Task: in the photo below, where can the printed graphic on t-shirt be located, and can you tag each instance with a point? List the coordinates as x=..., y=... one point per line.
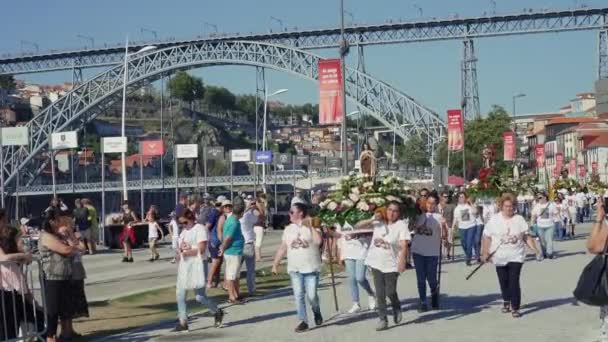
x=424, y=230
x=299, y=243
x=465, y=215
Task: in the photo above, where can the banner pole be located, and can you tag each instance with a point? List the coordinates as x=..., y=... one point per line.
x=205, y=166
x=17, y=190
x=231, y=179
x=176, y=178
x=103, y=197
x=141, y=181
x=53, y=173
x=198, y=191
x=72, y=167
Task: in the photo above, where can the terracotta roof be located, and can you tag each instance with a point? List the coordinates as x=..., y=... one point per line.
x=566, y=107
x=587, y=126
x=600, y=141
x=539, y=132
x=573, y=120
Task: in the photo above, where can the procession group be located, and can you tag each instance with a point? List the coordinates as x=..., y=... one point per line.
x=208, y=234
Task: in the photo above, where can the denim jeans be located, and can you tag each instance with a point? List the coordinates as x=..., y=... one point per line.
x=201, y=297
x=546, y=239
x=478, y=236
x=467, y=239
x=305, y=284
x=249, y=262
x=560, y=231
x=356, y=276
x=426, y=270
x=580, y=218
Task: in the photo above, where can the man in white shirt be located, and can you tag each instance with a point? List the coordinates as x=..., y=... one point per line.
x=248, y=220
x=581, y=203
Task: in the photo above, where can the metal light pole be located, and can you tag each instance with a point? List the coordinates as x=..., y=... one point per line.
x=343, y=53
x=124, y=105
x=266, y=96
x=514, y=98
x=342, y=145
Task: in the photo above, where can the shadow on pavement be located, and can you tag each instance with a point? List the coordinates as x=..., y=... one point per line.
x=546, y=304
x=262, y=318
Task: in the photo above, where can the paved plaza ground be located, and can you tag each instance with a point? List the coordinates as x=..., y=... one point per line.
x=470, y=310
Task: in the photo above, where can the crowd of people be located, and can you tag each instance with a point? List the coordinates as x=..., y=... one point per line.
x=215, y=236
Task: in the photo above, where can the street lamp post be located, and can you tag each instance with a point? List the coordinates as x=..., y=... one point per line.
x=514, y=98
x=266, y=96
x=343, y=53
x=124, y=105
x=342, y=145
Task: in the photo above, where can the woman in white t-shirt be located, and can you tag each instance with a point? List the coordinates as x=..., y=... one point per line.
x=387, y=259
x=543, y=216
x=174, y=231
x=353, y=250
x=464, y=220
x=301, y=243
x=504, y=243
x=430, y=229
x=192, y=244
x=571, y=204
x=560, y=218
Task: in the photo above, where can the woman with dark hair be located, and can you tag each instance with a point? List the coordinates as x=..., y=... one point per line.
x=464, y=220
x=127, y=236
x=505, y=238
x=56, y=253
x=15, y=296
x=301, y=244
x=192, y=244
x=387, y=259
x=77, y=302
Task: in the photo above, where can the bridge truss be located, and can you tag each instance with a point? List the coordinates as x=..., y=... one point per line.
x=71, y=112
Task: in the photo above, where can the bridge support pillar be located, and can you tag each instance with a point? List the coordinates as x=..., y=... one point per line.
x=603, y=54
x=469, y=87
x=76, y=74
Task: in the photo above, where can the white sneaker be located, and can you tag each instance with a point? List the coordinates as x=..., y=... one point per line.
x=356, y=308
x=372, y=303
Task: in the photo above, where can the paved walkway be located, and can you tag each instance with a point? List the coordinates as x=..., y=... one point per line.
x=108, y=278
x=470, y=310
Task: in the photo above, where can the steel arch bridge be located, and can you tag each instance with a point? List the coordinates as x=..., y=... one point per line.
x=71, y=112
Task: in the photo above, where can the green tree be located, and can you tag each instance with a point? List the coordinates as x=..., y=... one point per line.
x=7, y=83
x=219, y=98
x=477, y=134
x=186, y=88
x=413, y=152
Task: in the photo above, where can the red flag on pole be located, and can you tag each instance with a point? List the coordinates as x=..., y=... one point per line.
x=582, y=171
x=508, y=146
x=572, y=167
x=330, y=92
x=151, y=147
x=559, y=161
x=455, y=130
x=539, y=153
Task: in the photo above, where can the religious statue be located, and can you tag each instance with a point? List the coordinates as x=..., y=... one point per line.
x=487, y=155
x=368, y=162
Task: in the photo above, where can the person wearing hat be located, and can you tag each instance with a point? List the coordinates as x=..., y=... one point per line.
x=217, y=238
x=214, y=242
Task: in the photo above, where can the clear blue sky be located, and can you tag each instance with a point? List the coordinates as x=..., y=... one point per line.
x=549, y=68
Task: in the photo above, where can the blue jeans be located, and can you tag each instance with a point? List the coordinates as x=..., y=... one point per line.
x=426, y=270
x=356, y=276
x=201, y=297
x=478, y=236
x=560, y=231
x=467, y=239
x=546, y=239
x=305, y=284
x=250, y=267
x=580, y=218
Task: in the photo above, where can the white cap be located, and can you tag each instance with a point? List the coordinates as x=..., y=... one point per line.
x=24, y=220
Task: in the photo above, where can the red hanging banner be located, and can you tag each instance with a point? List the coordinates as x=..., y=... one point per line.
x=582, y=171
x=508, y=146
x=539, y=154
x=455, y=130
x=572, y=167
x=330, y=91
x=594, y=167
x=151, y=147
x=559, y=162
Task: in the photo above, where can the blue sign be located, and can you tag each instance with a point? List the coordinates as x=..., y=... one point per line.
x=263, y=156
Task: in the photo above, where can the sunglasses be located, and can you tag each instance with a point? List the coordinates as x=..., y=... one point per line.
x=182, y=222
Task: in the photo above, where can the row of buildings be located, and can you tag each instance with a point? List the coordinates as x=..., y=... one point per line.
x=574, y=139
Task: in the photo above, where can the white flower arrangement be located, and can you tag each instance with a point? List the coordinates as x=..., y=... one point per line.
x=332, y=205
x=354, y=197
x=362, y=205
x=355, y=191
x=347, y=203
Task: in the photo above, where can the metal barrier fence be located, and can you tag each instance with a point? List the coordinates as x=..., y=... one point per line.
x=22, y=301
